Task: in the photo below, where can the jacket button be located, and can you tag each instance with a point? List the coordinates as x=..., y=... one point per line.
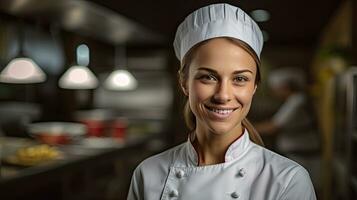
x=180, y=174
x=241, y=173
x=235, y=195
x=173, y=193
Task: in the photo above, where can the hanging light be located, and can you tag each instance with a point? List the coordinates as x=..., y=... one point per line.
x=260, y=15
x=120, y=79
x=79, y=76
x=22, y=69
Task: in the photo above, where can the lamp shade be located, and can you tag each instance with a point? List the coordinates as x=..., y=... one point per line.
x=22, y=70
x=78, y=77
x=121, y=80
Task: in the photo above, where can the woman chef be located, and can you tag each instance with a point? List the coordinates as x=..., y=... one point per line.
x=219, y=47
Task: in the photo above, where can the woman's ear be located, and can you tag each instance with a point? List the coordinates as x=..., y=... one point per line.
x=184, y=87
x=255, y=88
x=183, y=83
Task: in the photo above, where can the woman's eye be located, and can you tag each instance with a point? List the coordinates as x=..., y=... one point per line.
x=208, y=77
x=240, y=79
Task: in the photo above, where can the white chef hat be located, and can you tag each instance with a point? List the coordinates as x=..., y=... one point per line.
x=217, y=20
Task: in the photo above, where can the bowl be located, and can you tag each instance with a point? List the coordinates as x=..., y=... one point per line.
x=55, y=133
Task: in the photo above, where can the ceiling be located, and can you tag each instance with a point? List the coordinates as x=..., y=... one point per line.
x=292, y=22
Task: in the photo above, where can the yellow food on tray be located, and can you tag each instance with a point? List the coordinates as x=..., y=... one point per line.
x=34, y=155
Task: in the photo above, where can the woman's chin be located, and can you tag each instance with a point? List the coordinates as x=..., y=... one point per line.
x=220, y=128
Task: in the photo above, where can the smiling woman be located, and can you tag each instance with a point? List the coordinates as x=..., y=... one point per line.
x=215, y=53
x=219, y=48
x=220, y=92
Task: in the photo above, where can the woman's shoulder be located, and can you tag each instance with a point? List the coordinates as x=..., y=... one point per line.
x=152, y=172
x=271, y=157
x=278, y=164
x=161, y=160
x=291, y=177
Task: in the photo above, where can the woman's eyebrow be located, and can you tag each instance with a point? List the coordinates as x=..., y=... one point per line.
x=207, y=69
x=215, y=72
x=242, y=71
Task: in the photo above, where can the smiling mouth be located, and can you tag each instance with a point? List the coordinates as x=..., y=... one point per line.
x=223, y=111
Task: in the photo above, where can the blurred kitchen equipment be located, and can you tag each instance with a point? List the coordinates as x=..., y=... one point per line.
x=101, y=143
x=119, y=128
x=344, y=138
x=96, y=120
x=57, y=132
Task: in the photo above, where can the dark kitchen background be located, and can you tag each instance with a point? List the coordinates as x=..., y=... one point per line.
x=101, y=92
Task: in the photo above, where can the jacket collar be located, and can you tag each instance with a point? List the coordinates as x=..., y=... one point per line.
x=234, y=151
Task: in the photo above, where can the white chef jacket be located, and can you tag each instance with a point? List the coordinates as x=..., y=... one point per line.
x=250, y=172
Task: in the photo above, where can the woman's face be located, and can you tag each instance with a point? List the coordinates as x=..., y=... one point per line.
x=220, y=85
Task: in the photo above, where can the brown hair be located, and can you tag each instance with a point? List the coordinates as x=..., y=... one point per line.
x=190, y=118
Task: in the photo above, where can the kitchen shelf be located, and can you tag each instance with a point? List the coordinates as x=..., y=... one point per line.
x=344, y=162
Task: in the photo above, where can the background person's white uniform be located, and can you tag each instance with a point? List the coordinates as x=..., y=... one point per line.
x=250, y=172
x=298, y=137
x=297, y=130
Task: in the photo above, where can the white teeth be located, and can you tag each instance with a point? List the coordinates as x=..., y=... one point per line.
x=222, y=111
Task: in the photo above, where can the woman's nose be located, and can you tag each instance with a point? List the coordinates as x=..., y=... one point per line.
x=223, y=93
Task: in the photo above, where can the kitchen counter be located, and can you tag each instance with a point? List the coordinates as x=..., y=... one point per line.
x=80, y=162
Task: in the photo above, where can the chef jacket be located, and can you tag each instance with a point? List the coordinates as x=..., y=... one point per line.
x=250, y=172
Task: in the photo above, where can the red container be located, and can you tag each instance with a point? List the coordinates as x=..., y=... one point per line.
x=95, y=128
x=97, y=121
x=119, y=128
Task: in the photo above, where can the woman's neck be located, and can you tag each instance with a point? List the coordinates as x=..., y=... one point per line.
x=211, y=148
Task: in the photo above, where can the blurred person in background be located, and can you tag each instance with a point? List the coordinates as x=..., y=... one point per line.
x=294, y=124
x=219, y=48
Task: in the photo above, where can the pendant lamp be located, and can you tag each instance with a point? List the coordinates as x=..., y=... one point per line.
x=22, y=69
x=79, y=76
x=120, y=78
